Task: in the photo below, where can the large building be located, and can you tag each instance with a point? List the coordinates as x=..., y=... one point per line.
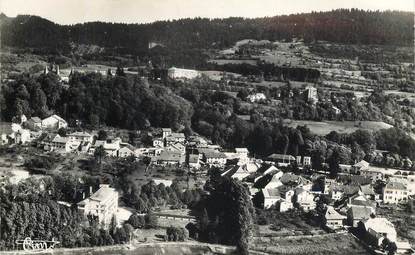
x=179, y=73
x=54, y=122
x=394, y=192
x=103, y=204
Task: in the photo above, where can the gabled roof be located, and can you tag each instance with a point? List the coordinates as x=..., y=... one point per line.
x=101, y=195
x=361, y=164
x=276, y=156
x=80, y=134
x=367, y=189
x=193, y=158
x=54, y=116
x=35, y=119
x=379, y=225
x=6, y=128
x=214, y=154
x=395, y=186
x=360, y=212
x=332, y=214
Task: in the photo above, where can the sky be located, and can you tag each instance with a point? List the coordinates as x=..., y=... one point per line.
x=144, y=11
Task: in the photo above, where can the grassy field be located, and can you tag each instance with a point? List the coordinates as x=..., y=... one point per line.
x=233, y=61
x=325, y=127
x=336, y=243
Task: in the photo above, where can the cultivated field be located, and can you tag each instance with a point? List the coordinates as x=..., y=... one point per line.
x=335, y=243
x=325, y=127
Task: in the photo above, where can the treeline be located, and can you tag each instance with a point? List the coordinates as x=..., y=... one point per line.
x=95, y=100
x=271, y=71
x=150, y=196
x=345, y=26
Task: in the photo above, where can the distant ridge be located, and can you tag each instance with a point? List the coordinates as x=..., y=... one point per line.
x=342, y=26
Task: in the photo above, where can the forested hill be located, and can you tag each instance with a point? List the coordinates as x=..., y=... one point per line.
x=343, y=26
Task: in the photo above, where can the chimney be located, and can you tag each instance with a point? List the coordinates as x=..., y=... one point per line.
x=90, y=190
x=57, y=69
x=83, y=195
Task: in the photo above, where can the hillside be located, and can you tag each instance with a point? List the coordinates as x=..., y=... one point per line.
x=343, y=26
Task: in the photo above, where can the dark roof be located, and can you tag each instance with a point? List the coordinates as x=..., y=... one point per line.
x=6, y=127
x=35, y=119
x=395, y=185
x=360, y=212
x=276, y=156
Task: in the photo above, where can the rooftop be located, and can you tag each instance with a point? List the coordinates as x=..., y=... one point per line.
x=395, y=186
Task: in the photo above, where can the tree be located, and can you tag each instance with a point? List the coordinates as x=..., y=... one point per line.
x=333, y=162
x=151, y=220
x=388, y=246
x=119, y=71
x=102, y=135
x=62, y=132
x=99, y=154
x=136, y=221
x=230, y=204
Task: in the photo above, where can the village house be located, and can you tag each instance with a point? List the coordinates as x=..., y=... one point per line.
x=126, y=151
x=175, y=138
x=55, y=142
x=180, y=73
x=240, y=154
x=213, y=157
x=166, y=132
x=361, y=200
x=6, y=133
x=111, y=146
x=103, y=204
x=304, y=199
x=256, y=97
x=22, y=136
x=355, y=214
x=241, y=171
x=333, y=219
x=81, y=137
x=54, y=122
x=281, y=159
x=407, y=180
x=303, y=161
x=281, y=197
x=311, y=94
x=378, y=229
x=275, y=181
x=194, y=161
x=158, y=142
x=34, y=123
x=170, y=158
x=394, y=192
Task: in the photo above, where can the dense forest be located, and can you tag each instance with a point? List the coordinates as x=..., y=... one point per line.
x=345, y=26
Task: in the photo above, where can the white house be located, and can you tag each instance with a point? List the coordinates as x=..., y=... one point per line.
x=281, y=197
x=158, y=142
x=194, y=161
x=125, y=152
x=180, y=73
x=58, y=143
x=333, y=219
x=22, y=136
x=304, y=199
x=379, y=229
x=256, y=97
x=54, y=122
x=103, y=204
x=81, y=137
x=394, y=192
